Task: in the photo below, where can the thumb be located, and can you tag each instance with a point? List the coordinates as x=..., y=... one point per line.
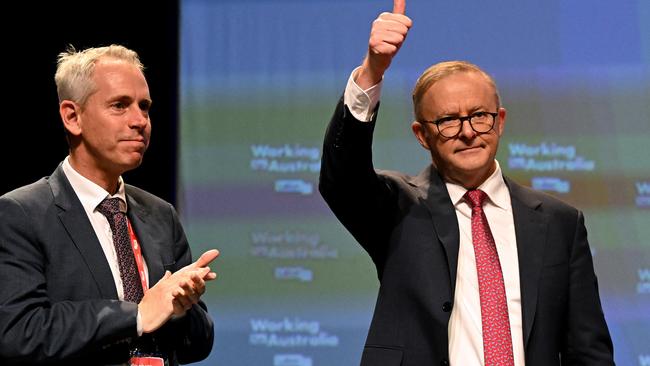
x=399, y=6
x=206, y=258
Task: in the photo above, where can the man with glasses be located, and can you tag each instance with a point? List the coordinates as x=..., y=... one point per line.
x=474, y=269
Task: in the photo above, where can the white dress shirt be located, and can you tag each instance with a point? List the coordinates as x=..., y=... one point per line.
x=91, y=195
x=465, y=330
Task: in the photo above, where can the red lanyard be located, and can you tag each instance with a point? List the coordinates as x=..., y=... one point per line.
x=137, y=253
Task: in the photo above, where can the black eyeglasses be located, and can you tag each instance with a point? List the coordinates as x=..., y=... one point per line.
x=450, y=127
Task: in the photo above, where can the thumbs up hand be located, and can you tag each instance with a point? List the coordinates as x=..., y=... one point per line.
x=387, y=35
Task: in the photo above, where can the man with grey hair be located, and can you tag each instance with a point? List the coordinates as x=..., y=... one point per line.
x=95, y=271
x=474, y=268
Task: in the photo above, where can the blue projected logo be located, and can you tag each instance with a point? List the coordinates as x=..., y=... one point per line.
x=291, y=360
x=294, y=186
x=643, y=287
x=644, y=360
x=643, y=194
x=551, y=184
x=294, y=273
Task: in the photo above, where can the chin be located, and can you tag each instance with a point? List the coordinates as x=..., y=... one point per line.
x=473, y=164
x=132, y=163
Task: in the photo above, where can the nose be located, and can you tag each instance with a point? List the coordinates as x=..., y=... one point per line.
x=138, y=118
x=466, y=129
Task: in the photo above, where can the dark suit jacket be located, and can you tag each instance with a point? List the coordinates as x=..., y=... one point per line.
x=408, y=225
x=58, y=302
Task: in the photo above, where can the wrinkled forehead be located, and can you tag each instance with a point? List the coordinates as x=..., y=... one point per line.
x=462, y=86
x=478, y=78
x=119, y=77
x=456, y=94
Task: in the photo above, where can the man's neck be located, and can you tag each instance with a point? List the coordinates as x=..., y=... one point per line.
x=470, y=180
x=104, y=179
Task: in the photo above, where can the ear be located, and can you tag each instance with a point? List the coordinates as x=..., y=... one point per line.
x=501, y=123
x=420, y=133
x=70, y=115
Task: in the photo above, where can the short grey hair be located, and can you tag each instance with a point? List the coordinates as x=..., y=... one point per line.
x=74, y=71
x=439, y=71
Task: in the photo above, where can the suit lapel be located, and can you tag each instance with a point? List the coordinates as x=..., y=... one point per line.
x=443, y=215
x=530, y=230
x=73, y=217
x=138, y=215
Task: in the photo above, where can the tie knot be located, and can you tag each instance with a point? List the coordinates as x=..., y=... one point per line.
x=475, y=197
x=109, y=207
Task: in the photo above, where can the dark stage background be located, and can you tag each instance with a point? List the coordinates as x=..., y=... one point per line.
x=33, y=142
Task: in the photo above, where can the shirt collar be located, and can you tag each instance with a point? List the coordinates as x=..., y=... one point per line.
x=495, y=188
x=90, y=194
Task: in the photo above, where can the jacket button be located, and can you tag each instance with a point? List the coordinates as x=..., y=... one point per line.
x=444, y=363
x=446, y=307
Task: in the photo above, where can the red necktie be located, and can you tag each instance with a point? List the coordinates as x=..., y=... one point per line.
x=497, y=341
x=110, y=208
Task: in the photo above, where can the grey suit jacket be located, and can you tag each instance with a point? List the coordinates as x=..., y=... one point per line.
x=408, y=225
x=58, y=301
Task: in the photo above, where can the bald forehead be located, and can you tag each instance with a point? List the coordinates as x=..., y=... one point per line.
x=479, y=79
x=459, y=93
x=478, y=75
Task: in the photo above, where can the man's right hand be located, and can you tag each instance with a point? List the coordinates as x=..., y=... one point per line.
x=175, y=293
x=388, y=33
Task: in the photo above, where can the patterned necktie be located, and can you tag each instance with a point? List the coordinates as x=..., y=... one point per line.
x=497, y=341
x=110, y=208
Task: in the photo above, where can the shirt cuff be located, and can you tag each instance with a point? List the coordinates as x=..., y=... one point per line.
x=139, y=324
x=361, y=102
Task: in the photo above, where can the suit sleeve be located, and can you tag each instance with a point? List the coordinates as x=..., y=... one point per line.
x=192, y=335
x=360, y=198
x=587, y=341
x=34, y=329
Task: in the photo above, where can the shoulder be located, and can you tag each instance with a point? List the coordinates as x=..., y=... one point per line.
x=27, y=208
x=147, y=204
x=538, y=199
x=145, y=198
x=393, y=175
x=408, y=187
x=397, y=178
x=32, y=194
x=427, y=178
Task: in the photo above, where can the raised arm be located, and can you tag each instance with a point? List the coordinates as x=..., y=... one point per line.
x=387, y=35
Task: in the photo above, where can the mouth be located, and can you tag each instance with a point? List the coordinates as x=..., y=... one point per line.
x=137, y=139
x=137, y=143
x=469, y=149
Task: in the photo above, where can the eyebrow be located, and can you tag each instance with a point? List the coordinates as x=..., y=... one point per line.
x=147, y=101
x=471, y=110
x=123, y=97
